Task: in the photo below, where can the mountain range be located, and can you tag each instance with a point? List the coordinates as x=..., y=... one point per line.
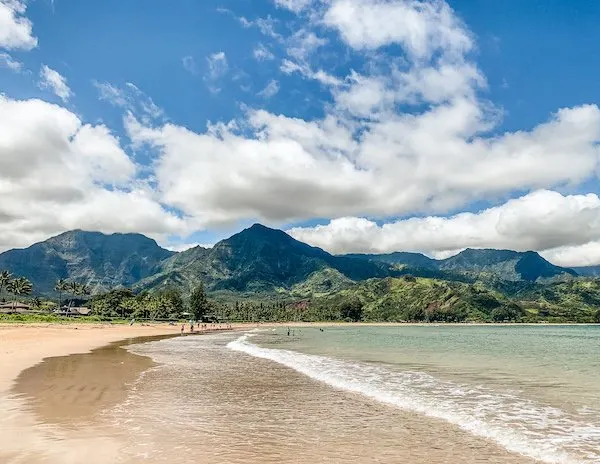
x=256, y=260
x=506, y=264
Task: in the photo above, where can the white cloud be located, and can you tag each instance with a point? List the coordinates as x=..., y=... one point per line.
x=265, y=25
x=399, y=135
x=187, y=246
x=290, y=67
x=302, y=43
x=7, y=61
x=217, y=68
x=294, y=5
x=406, y=135
x=406, y=164
x=69, y=175
x=262, y=53
x=561, y=225
x=55, y=82
x=575, y=256
x=190, y=65
x=15, y=28
x=130, y=98
x=421, y=28
x=270, y=90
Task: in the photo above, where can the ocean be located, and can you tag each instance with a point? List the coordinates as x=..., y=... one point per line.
x=434, y=393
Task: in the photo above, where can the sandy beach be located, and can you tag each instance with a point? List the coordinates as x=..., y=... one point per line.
x=73, y=393
x=69, y=397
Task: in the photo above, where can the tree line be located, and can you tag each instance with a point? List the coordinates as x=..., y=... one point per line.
x=171, y=304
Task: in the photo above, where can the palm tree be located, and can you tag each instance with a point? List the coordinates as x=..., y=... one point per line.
x=19, y=287
x=73, y=288
x=84, y=290
x=60, y=287
x=5, y=278
x=36, y=302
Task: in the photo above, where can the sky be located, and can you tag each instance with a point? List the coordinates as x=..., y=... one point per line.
x=355, y=125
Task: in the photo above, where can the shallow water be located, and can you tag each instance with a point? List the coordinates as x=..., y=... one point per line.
x=443, y=394
x=371, y=394
x=534, y=390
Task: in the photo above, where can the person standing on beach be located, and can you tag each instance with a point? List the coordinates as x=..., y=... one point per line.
x=182, y=328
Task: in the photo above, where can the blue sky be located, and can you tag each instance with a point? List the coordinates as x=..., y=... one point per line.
x=312, y=89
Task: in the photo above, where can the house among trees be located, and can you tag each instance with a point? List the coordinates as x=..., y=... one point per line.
x=73, y=311
x=14, y=307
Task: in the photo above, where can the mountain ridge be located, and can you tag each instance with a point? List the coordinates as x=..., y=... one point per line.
x=255, y=260
x=509, y=264
x=99, y=260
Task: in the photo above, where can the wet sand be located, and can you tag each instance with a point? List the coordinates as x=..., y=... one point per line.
x=53, y=408
x=48, y=387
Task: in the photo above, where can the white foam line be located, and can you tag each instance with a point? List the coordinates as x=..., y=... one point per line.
x=371, y=381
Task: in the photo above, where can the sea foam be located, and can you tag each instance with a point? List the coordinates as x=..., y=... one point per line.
x=518, y=424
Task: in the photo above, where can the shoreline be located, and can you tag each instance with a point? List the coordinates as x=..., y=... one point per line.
x=38, y=352
x=31, y=348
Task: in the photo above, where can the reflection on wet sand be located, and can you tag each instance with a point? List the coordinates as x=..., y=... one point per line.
x=71, y=390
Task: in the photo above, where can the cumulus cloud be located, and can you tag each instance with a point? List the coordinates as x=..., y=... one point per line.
x=15, y=28
x=542, y=220
x=421, y=28
x=432, y=162
x=406, y=130
x=404, y=135
x=55, y=82
x=70, y=175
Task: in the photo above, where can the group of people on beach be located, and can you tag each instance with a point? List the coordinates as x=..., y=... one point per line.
x=202, y=327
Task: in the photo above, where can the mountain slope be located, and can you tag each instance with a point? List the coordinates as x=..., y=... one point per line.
x=506, y=264
x=422, y=299
x=415, y=260
x=254, y=260
x=98, y=260
x=587, y=271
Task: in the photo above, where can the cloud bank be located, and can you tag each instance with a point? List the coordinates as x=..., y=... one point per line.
x=405, y=130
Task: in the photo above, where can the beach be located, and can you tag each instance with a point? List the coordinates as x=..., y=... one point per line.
x=129, y=394
x=44, y=408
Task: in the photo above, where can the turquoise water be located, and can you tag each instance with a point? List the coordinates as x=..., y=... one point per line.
x=535, y=390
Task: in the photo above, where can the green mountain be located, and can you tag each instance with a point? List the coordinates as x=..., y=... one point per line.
x=422, y=299
x=98, y=260
x=505, y=264
x=401, y=258
x=257, y=259
x=281, y=277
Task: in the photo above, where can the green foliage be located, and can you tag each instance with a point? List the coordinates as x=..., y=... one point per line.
x=5, y=279
x=351, y=310
x=19, y=287
x=199, y=305
x=123, y=303
x=507, y=313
